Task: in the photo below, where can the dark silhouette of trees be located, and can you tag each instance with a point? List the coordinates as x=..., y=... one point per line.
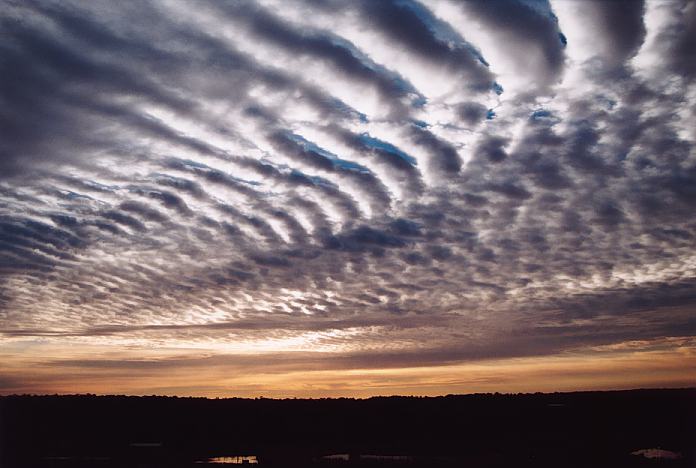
x=559, y=429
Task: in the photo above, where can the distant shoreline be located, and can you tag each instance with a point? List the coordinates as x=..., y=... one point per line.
x=450, y=395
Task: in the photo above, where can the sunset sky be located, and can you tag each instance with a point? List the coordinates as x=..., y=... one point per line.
x=347, y=198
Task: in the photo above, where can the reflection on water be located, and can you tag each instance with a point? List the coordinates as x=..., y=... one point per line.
x=234, y=460
x=400, y=458
x=658, y=453
x=337, y=456
x=355, y=457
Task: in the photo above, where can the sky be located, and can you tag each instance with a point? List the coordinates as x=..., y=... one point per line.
x=315, y=198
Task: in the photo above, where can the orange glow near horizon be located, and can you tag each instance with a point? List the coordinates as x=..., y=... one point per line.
x=670, y=363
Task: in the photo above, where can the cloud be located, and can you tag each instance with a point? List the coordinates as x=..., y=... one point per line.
x=374, y=176
x=415, y=27
x=676, y=41
x=526, y=33
x=620, y=26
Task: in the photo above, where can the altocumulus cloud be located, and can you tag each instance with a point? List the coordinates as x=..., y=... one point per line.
x=428, y=182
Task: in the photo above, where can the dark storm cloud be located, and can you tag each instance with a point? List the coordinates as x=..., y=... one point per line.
x=196, y=176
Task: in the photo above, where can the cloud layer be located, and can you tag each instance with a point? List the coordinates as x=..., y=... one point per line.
x=403, y=183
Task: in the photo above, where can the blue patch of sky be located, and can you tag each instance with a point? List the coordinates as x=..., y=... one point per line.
x=345, y=109
x=490, y=115
x=563, y=39
x=543, y=115
x=308, y=145
x=609, y=103
x=316, y=180
x=266, y=162
x=351, y=166
x=442, y=30
x=540, y=114
x=420, y=123
x=388, y=147
x=420, y=101
x=337, y=162
x=497, y=88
